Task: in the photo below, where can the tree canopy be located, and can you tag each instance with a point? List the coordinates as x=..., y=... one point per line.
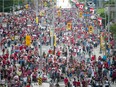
x=105, y=18
x=8, y=4
x=113, y=28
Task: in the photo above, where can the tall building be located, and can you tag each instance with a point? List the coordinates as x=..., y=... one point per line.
x=98, y=3
x=63, y=3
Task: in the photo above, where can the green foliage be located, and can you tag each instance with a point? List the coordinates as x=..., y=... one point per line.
x=8, y=4
x=101, y=10
x=113, y=28
x=81, y=0
x=105, y=18
x=110, y=2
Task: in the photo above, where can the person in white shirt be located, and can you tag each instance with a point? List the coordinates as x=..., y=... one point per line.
x=107, y=84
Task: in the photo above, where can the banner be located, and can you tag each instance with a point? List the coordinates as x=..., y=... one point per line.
x=99, y=21
x=81, y=6
x=28, y=40
x=92, y=10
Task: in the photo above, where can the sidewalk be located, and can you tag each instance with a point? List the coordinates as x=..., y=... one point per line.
x=96, y=51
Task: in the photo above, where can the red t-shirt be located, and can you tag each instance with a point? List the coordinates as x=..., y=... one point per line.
x=83, y=83
x=74, y=83
x=66, y=81
x=78, y=83
x=28, y=86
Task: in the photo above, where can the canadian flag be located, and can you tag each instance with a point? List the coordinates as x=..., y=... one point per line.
x=92, y=10
x=81, y=6
x=100, y=21
x=77, y=4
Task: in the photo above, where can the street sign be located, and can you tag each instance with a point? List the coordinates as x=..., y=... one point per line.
x=86, y=15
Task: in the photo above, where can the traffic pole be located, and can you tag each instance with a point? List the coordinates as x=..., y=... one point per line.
x=3, y=6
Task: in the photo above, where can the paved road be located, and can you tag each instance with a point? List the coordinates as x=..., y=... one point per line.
x=46, y=48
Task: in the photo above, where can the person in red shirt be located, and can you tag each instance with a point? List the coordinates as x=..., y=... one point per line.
x=75, y=83
x=106, y=65
x=84, y=83
x=66, y=81
x=58, y=54
x=78, y=84
x=50, y=51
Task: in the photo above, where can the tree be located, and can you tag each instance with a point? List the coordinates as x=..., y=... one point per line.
x=113, y=28
x=113, y=31
x=105, y=18
x=8, y=4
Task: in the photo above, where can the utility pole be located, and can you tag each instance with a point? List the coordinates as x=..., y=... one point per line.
x=13, y=7
x=3, y=6
x=53, y=26
x=18, y=4
x=37, y=11
x=115, y=10
x=108, y=21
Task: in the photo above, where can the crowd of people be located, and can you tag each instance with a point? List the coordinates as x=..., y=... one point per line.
x=21, y=65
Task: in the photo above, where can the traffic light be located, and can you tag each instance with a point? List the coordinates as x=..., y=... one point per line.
x=80, y=14
x=28, y=40
x=37, y=21
x=59, y=13
x=40, y=81
x=69, y=26
x=91, y=29
x=26, y=6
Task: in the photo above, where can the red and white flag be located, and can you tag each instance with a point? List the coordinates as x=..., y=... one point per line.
x=100, y=21
x=92, y=10
x=81, y=6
